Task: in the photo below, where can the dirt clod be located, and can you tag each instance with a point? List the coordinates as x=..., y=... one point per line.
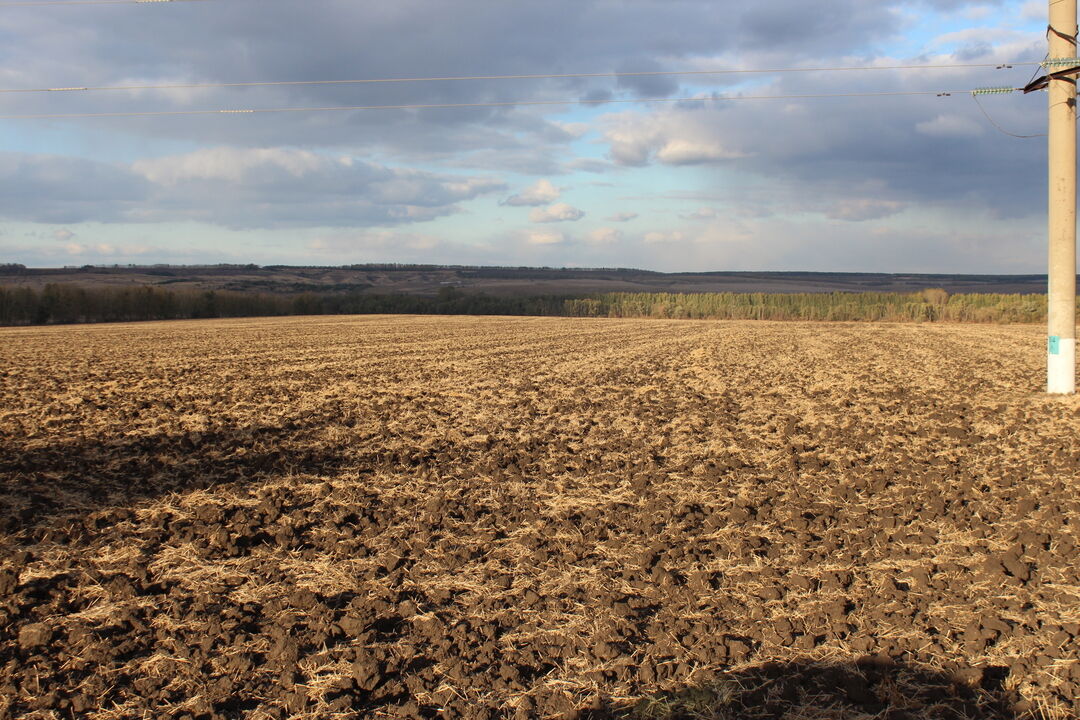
x=34, y=635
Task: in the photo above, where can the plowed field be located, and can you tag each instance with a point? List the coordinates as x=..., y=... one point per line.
x=482, y=518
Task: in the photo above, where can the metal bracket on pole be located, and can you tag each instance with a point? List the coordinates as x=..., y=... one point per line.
x=1043, y=82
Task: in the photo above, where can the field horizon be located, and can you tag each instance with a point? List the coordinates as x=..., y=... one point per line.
x=504, y=281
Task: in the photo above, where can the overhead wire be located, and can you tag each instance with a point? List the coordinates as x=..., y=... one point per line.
x=998, y=127
x=536, y=76
x=508, y=103
x=93, y=2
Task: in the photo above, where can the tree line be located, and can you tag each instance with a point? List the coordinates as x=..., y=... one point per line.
x=69, y=303
x=932, y=305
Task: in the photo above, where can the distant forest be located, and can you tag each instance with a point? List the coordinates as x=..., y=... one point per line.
x=68, y=303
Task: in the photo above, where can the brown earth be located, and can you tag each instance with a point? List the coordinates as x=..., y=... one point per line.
x=481, y=518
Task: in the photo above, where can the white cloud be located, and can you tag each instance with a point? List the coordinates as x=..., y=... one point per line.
x=545, y=237
x=604, y=236
x=674, y=137
x=559, y=212
x=63, y=235
x=663, y=238
x=542, y=193
x=623, y=217
x=685, y=151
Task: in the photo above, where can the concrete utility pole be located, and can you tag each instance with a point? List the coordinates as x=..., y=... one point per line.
x=1061, y=343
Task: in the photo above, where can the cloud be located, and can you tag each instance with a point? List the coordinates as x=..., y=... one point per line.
x=671, y=138
x=590, y=165
x=949, y=126
x=103, y=250
x=57, y=189
x=683, y=151
x=702, y=213
x=233, y=165
x=545, y=237
x=663, y=238
x=225, y=44
x=1033, y=10
x=63, y=235
x=575, y=130
x=923, y=152
x=542, y=193
x=371, y=240
x=232, y=187
x=604, y=236
x=857, y=210
x=835, y=159
x=623, y=217
x=559, y=212
x=647, y=86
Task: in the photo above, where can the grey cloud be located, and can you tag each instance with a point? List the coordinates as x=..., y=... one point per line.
x=801, y=156
x=54, y=189
x=861, y=209
x=954, y=4
x=345, y=39
x=814, y=28
x=273, y=187
x=937, y=152
x=598, y=95
x=702, y=213
x=646, y=86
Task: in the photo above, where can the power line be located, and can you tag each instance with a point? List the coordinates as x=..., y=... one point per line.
x=975, y=97
x=440, y=106
x=92, y=2
x=540, y=76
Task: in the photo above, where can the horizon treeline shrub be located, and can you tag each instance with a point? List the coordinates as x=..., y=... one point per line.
x=61, y=303
x=67, y=303
x=925, y=306
x=71, y=303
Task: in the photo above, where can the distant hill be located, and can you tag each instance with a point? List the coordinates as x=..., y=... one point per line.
x=426, y=280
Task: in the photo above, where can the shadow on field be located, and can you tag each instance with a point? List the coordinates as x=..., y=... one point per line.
x=866, y=688
x=41, y=486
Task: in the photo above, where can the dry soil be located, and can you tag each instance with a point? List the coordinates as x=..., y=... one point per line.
x=481, y=518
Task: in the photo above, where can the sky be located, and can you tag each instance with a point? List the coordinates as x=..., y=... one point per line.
x=887, y=183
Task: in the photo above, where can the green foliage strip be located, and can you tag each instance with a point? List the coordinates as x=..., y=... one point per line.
x=70, y=303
